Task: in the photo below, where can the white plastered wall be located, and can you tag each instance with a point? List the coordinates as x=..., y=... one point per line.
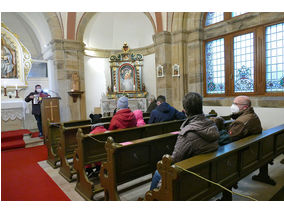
x=109, y=31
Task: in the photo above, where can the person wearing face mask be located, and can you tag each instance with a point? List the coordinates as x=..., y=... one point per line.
x=36, y=98
x=246, y=121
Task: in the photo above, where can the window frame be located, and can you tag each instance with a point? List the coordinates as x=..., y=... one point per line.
x=259, y=62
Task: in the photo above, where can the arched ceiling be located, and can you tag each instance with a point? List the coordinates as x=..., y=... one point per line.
x=110, y=30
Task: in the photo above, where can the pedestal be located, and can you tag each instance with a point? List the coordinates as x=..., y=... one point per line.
x=108, y=105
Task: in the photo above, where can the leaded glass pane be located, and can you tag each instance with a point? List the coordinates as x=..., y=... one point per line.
x=234, y=14
x=244, y=63
x=215, y=67
x=275, y=58
x=213, y=18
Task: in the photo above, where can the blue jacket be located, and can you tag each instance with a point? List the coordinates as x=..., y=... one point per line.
x=165, y=112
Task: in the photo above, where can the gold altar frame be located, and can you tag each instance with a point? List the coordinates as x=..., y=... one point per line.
x=23, y=58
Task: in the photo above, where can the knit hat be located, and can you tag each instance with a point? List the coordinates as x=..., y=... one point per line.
x=122, y=103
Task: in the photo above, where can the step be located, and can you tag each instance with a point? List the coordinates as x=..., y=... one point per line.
x=31, y=142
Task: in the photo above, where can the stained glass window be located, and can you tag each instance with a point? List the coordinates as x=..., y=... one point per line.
x=215, y=67
x=234, y=14
x=213, y=18
x=275, y=58
x=244, y=63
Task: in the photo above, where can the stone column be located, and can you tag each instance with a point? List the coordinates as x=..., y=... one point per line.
x=193, y=61
x=162, y=42
x=67, y=58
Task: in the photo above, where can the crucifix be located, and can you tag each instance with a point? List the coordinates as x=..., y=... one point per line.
x=51, y=110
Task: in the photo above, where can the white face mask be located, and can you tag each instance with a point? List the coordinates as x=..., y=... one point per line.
x=38, y=90
x=234, y=109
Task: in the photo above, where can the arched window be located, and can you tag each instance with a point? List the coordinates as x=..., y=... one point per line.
x=249, y=62
x=215, y=17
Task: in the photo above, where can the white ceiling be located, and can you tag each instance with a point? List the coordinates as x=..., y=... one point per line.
x=110, y=30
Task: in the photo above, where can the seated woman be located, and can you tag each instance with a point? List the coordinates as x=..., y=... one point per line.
x=198, y=134
x=139, y=117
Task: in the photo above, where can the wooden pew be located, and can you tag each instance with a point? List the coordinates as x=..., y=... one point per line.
x=54, y=135
x=131, y=160
x=90, y=150
x=226, y=166
x=67, y=145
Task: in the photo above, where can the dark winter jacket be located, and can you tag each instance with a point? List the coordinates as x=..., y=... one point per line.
x=198, y=135
x=36, y=107
x=246, y=123
x=122, y=119
x=165, y=112
x=224, y=138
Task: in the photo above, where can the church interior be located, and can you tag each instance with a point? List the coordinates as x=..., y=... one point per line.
x=86, y=61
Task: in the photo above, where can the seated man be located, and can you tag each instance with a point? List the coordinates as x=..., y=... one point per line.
x=164, y=112
x=198, y=134
x=246, y=121
x=123, y=118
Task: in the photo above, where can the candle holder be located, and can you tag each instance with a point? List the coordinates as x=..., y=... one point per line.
x=17, y=93
x=5, y=91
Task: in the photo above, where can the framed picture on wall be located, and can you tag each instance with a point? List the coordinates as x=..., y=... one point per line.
x=160, y=71
x=175, y=70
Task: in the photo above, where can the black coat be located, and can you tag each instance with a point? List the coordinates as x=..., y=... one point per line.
x=165, y=112
x=35, y=107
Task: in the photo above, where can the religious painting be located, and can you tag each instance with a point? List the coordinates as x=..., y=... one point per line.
x=126, y=78
x=15, y=59
x=8, y=61
x=175, y=70
x=126, y=69
x=160, y=71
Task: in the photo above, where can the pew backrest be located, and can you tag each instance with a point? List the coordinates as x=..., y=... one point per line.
x=226, y=166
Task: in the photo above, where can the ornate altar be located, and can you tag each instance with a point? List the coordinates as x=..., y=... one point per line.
x=15, y=59
x=126, y=71
x=126, y=75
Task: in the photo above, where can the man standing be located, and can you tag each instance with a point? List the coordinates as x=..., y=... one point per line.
x=164, y=112
x=246, y=121
x=36, y=98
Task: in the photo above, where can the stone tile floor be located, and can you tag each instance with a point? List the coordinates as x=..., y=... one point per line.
x=257, y=190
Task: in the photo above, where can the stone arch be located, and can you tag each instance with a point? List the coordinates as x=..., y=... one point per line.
x=88, y=16
x=54, y=25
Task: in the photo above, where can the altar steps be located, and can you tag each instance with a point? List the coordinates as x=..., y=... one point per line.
x=21, y=138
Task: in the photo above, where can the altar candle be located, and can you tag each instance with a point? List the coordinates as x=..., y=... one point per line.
x=5, y=84
x=16, y=86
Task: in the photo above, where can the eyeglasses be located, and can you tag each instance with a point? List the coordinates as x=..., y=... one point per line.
x=238, y=103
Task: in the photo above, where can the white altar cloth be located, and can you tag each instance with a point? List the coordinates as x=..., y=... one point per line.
x=12, y=109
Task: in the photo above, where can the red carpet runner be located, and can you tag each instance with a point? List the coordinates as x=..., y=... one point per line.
x=22, y=179
x=14, y=139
